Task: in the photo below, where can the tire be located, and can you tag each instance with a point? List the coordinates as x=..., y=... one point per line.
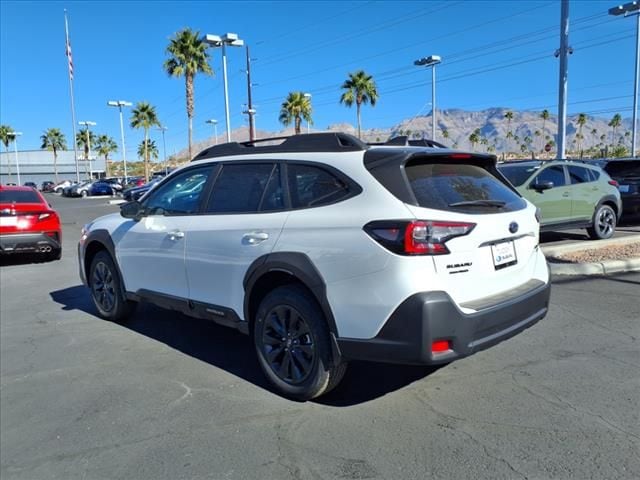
x=604, y=223
x=84, y=194
x=106, y=289
x=293, y=344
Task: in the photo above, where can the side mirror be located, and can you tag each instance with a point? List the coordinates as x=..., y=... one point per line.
x=133, y=210
x=539, y=187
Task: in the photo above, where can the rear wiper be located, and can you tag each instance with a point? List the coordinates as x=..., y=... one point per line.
x=479, y=203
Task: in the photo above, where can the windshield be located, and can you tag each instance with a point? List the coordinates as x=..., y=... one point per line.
x=517, y=174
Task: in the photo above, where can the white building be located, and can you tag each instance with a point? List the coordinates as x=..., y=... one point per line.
x=37, y=166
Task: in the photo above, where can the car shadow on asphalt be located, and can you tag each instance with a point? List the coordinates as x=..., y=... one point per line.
x=230, y=350
x=22, y=259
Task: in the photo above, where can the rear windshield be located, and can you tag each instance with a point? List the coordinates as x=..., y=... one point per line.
x=460, y=187
x=517, y=174
x=19, y=196
x=623, y=168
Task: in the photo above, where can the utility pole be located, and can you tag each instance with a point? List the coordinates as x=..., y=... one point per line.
x=250, y=110
x=563, y=52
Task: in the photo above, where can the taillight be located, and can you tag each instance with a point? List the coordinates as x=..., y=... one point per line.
x=418, y=237
x=613, y=182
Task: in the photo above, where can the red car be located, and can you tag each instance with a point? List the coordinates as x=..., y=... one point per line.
x=28, y=224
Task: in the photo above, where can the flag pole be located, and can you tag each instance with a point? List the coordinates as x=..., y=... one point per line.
x=73, y=108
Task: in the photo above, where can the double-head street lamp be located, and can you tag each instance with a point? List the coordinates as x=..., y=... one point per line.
x=88, y=124
x=308, y=96
x=629, y=9
x=431, y=61
x=215, y=128
x=230, y=39
x=15, y=136
x=120, y=104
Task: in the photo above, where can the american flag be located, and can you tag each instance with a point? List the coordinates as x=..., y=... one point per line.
x=70, y=58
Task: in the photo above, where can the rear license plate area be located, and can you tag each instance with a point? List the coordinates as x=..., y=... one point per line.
x=504, y=255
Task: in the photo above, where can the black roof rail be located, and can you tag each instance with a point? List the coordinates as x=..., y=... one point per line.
x=310, y=142
x=403, y=141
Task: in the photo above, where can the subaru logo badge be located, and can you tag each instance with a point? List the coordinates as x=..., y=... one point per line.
x=513, y=227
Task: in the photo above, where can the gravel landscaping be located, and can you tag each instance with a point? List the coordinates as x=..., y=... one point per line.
x=594, y=255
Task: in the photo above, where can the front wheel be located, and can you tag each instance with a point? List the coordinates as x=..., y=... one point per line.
x=293, y=344
x=106, y=289
x=604, y=223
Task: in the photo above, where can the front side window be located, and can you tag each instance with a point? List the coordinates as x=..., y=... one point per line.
x=553, y=174
x=579, y=175
x=179, y=196
x=311, y=186
x=247, y=188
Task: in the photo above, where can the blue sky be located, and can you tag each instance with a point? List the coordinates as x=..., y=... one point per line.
x=494, y=54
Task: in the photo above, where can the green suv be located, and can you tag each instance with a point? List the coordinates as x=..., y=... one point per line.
x=568, y=194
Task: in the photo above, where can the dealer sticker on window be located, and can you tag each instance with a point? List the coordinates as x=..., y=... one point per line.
x=504, y=255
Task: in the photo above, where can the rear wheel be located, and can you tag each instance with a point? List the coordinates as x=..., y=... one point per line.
x=106, y=289
x=293, y=344
x=604, y=223
x=84, y=193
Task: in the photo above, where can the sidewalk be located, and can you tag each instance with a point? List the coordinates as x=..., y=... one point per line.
x=559, y=266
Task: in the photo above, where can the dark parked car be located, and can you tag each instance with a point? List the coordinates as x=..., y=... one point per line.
x=137, y=192
x=31, y=184
x=48, y=186
x=627, y=173
x=102, y=188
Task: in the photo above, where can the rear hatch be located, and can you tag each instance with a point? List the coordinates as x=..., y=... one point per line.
x=627, y=174
x=493, y=245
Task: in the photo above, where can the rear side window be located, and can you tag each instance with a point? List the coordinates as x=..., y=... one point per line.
x=579, y=175
x=594, y=175
x=460, y=187
x=19, y=196
x=312, y=186
x=247, y=188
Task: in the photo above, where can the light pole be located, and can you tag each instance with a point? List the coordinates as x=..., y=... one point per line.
x=164, y=147
x=120, y=104
x=88, y=124
x=630, y=9
x=215, y=127
x=232, y=40
x=308, y=95
x=431, y=61
x=15, y=136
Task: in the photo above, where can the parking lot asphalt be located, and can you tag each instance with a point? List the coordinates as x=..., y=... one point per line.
x=169, y=397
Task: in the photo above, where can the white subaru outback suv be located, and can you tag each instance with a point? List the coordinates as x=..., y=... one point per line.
x=325, y=249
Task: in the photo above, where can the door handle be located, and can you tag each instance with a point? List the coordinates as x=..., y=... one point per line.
x=565, y=194
x=175, y=235
x=254, y=238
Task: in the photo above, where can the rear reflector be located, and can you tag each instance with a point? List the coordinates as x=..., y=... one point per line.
x=440, y=346
x=613, y=182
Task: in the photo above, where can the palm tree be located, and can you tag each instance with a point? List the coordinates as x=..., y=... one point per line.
x=81, y=142
x=151, y=149
x=615, y=122
x=106, y=145
x=6, y=139
x=445, y=134
x=188, y=55
x=474, y=138
x=544, y=116
x=582, y=119
x=361, y=89
x=144, y=116
x=509, y=116
x=484, y=141
x=295, y=108
x=537, y=133
x=53, y=139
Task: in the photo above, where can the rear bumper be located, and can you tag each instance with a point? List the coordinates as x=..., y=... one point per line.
x=13, y=243
x=425, y=317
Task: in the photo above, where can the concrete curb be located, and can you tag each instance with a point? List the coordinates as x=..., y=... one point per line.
x=600, y=268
